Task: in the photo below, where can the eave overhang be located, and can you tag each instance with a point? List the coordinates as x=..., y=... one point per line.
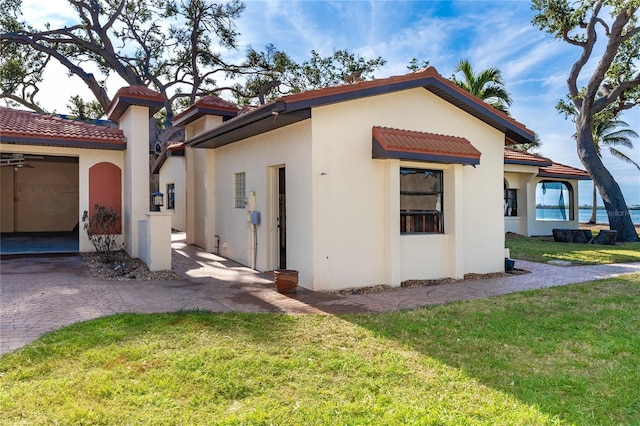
x=66, y=143
x=297, y=107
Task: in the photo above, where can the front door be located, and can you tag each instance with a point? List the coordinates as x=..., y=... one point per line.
x=282, y=220
x=277, y=218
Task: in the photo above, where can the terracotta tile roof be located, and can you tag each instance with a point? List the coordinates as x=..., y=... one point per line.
x=209, y=105
x=513, y=156
x=170, y=149
x=296, y=107
x=547, y=168
x=332, y=92
x=134, y=95
x=558, y=170
x=175, y=146
x=422, y=146
x=30, y=128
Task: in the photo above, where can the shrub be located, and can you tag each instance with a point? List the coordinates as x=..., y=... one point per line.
x=103, y=227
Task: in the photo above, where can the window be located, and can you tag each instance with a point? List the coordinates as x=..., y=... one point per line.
x=240, y=199
x=171, y=196
x=421, y=201
x=554, y=201
x=510, y=201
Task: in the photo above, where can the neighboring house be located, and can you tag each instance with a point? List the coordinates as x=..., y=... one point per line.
x=375, y=182
x=539, y=194
x=55, y=169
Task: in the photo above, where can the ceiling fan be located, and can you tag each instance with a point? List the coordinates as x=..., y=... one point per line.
x=18, y=160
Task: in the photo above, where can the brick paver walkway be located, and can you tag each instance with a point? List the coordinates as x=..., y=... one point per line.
x=41, y=294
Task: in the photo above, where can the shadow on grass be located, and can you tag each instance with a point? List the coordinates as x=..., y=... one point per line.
x=571, y=351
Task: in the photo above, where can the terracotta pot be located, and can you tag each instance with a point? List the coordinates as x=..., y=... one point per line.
x=286, y=280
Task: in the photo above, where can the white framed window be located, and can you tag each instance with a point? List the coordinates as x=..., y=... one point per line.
x=554, y=201
x=240, y=190
x=510, y=201
x=421, y=193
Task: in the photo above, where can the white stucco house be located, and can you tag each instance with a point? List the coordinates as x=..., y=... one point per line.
x=539, y=194
x=54, y=169
x=375, y=182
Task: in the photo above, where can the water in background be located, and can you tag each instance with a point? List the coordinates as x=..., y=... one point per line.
x=584, y=215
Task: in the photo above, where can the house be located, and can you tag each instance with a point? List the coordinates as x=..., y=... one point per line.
x=539, y=194
x=375, y=182
x=205, y=114
x=54, y=169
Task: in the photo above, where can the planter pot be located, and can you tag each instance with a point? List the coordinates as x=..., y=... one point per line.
x=509, y=264
x=286, y=280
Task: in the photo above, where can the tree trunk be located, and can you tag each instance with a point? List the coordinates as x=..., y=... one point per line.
x=594, y=208
x=614, y=203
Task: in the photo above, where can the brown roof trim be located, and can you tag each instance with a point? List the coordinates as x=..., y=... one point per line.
x=67, y=143
x=209, y=105
x=245, y=125
x=134, y=95
x=513, y=156
x=562, y=171
x=422, y=146
x=172, y=149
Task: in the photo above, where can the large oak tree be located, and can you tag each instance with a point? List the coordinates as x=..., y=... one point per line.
x=612, y=80
x=176, y=47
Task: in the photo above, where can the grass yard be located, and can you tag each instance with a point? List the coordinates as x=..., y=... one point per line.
x=565, y=355
x=545, y=249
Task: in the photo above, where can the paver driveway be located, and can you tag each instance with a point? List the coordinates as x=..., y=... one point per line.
x=39, y=294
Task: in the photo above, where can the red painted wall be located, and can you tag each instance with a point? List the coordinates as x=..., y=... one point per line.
x=105, y=189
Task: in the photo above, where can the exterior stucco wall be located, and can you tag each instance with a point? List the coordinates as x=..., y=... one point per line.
x=134, y=125
x=289, y=147
x=351, y=245
x=86, y=159
x=173, y=171
x=517, y=178
x=201, y=125
x=524, y=179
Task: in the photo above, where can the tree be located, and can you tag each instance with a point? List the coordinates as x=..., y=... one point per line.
x=341, y=67
x=83, y=110
x=611, y=132
x=486, y=84
x=614, y=82
x=530, y=147
x=130, y=38
x=176, y=47
x=21, y=68
x=414, y=65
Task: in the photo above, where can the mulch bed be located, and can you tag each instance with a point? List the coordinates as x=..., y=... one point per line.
x=427, y=283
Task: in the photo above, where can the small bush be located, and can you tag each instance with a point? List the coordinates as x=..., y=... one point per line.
x=103, y=228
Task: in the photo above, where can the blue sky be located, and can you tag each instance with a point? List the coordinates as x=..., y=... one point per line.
x=487, y=33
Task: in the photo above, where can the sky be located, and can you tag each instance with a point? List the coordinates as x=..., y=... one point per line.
x=498, y=34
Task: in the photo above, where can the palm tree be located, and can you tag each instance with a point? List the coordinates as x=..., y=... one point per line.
x=487, y=85
x=609, y=131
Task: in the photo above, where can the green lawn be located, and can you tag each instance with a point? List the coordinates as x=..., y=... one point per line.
x=566, y=355
x=545, y=249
